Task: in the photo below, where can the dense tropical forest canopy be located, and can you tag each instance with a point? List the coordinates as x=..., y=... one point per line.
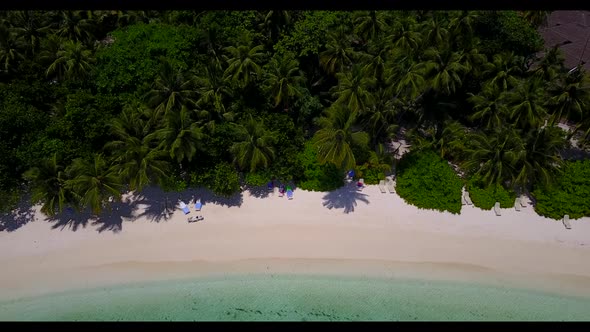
x=95, y=103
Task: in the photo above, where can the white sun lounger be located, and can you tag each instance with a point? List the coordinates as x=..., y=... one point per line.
x=382, y=186
x=517, y=204
x=390, y=186
x=522, y=201
x=497, y=208
x=183, y=207
x=566, y=221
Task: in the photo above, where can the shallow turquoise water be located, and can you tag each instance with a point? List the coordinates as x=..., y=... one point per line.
x=298, y=298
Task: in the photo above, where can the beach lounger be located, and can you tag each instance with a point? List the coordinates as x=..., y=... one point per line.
x=522, y=201
x=517, y=204
x=390, y=186
x=382, y=186
x=198, y=205
x=566, y=221
x=467, y=198
x=497, y=208
x=290, y=194
x=195, y=218
x=183, y=207
x=463, y=201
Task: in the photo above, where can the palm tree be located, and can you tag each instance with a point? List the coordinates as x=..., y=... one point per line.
x=136, y=155
x=284, y=79
x=462, y=26
x=551, y=65
x=180, y=136
x=488, y=106
x=243, y=62
x=504, y=70
x=404, y=34
x=370, y=25
x=94, y=182
x=526, y=103
x=474, y=62
x=405, y=78
x=48, y=184
x=540, y=159
x=570, y=95
x=375, y=64
x=339, y=53
x=30, y=28
x=73, y=26
x=275, y=22
x=171, y=90
x=436, y=33
x=536, y=18
x=213, y=90
x=444, y=69
x=494, y=156
x=73, y=61
x=255, y=146
x=447, y=141
x=380, y=120
x=353, y=90
x=10, y=51
x=130, y=17
x=335, y=139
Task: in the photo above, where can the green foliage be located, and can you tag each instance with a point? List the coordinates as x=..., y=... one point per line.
x=225, y=180
x=8, y=200
x=309, y=33
x=173, y=184
x=428, y=182
x=20, y=123
x=486, y=197
x=131, y=63
x=315, y=176
x=257, y=179
x=569, y=195
x=370, y=175
x=507, y=31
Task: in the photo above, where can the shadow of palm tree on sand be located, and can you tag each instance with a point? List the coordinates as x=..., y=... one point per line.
x=15, y=219
x=346, y=198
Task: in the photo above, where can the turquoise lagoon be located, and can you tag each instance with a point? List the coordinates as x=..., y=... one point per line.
x=298, y=298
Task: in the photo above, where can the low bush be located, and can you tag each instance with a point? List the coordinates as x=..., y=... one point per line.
x=318, y=177
x=428, y=182
x=226, y=181
x=223, y=180
x=568, y=195
x=486, y=197
x=257, y=179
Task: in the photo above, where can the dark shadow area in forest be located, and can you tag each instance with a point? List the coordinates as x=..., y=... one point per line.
x=346, y=198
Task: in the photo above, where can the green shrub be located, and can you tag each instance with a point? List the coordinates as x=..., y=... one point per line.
x=173, y=183
x=8, y=200
x=568, y=195
x=428, y=182
x=317, y=177
x=369, y=175
x=486, y=197
x=226, y=181
x=257, y=179
x=502, y=31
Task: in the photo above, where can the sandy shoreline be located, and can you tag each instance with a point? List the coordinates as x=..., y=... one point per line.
x=380, y=235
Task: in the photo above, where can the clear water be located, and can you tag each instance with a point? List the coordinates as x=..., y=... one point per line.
x=298, y=298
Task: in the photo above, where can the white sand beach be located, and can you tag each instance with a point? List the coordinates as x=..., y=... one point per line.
x=341, y=232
